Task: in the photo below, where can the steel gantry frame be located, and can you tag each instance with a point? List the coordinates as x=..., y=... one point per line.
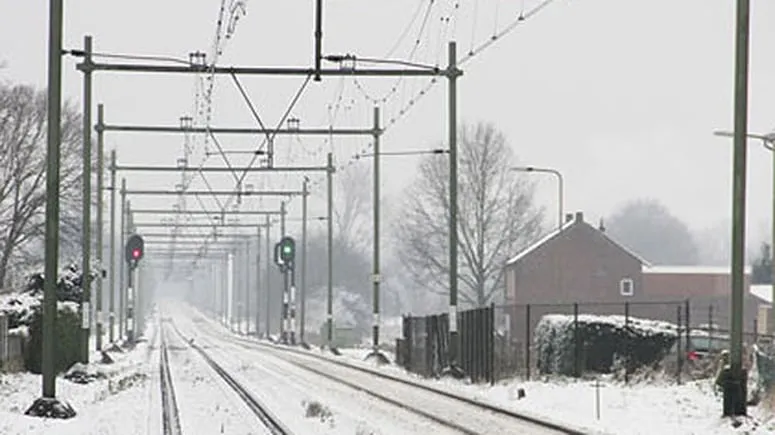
x=375, y=132
x=55, y=52
x=452, y=73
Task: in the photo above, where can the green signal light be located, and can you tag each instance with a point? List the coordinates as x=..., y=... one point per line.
x=287, y=249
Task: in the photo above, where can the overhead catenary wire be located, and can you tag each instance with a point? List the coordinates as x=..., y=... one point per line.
x=522, y=17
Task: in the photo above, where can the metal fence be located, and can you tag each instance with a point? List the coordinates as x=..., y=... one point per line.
x=498, y=342
x=515, y=352
x=11, y=348
x=424, y=345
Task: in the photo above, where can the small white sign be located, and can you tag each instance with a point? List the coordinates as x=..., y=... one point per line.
x=85, y=315
x=452, y=318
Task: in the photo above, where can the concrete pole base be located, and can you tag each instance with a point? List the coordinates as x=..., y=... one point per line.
x=735, y=394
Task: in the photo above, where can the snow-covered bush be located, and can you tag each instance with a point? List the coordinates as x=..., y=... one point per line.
x=24, y=312
x=67, y=339
x=601, y=340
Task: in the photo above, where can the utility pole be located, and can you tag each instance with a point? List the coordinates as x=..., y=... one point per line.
x=735, y=385
x=86, y=222
x=47, y=405
x=268, y=276
x=284, y=291
x=375, y=353
x=246, y=286
x=318, y=37
x=235, y=318
x=130, y=293
x=122, y=264
x=100, y=228
x=112, y=296
x=282, y=219
x=330, y=296
x=303, y=313
x=452, y=74
x=225, y=290
x=258, y=280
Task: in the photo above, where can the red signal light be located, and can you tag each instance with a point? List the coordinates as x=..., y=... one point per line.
x=135, y=253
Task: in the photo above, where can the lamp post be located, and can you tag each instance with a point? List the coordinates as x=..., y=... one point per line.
x=560, y=187
x=768, y=141
x=734, y=379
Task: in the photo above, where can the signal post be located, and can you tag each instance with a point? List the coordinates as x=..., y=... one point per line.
x=133, y=253
x=284, y=256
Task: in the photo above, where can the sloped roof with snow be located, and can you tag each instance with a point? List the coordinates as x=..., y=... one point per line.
x=540, y=242
x=763, y=292
x=548, y=237
x=692, y=270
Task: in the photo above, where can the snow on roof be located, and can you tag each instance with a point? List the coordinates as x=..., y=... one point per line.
x=540, y=242
x=698, y=270
x=763, y=292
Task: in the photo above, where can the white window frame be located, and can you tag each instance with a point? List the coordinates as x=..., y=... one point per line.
x=622, y=285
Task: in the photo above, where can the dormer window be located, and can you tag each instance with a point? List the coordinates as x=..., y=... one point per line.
x=626, y=287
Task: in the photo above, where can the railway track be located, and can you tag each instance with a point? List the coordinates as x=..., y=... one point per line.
x=353, y=377
x=267, y=418
x=169, y=405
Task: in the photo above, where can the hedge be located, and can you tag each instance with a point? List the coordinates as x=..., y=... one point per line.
x=602, y=340
x=67, y=345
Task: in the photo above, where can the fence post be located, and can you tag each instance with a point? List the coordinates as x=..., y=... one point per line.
x=688, y=326
x=478, y=342
x=627, y=343
x=710, y=326
x=680, y=352
x=576, y=344
x=527, y=341
x=429, y=344
x=3, y=339
x=491, y=349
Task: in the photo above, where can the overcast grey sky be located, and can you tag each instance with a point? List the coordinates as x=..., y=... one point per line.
x=622, y=96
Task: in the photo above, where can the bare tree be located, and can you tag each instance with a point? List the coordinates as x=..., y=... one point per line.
x=23, y=137
x=496, y=217
x=353, y=206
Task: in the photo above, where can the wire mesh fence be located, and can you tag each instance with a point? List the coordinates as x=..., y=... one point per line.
x=675, y=338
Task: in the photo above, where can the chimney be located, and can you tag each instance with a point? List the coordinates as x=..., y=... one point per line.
x=579, y=216
x=602, y=226
x=568, y=217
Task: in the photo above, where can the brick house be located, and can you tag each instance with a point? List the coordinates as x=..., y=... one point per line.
x=581, y=264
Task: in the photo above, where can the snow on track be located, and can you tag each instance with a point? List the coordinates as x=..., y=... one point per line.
x=306, y=402
x=206, y=404
x=464, y=417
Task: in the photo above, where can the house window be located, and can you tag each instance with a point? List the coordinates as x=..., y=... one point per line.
x=626, y=287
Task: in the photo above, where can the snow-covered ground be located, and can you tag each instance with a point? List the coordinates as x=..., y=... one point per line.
x=126, y=401
x=635, y=409
x=121, y=403
x=305, y=402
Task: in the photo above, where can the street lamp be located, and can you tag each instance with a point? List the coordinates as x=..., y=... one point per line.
x=768, y=141
x=559, y=185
